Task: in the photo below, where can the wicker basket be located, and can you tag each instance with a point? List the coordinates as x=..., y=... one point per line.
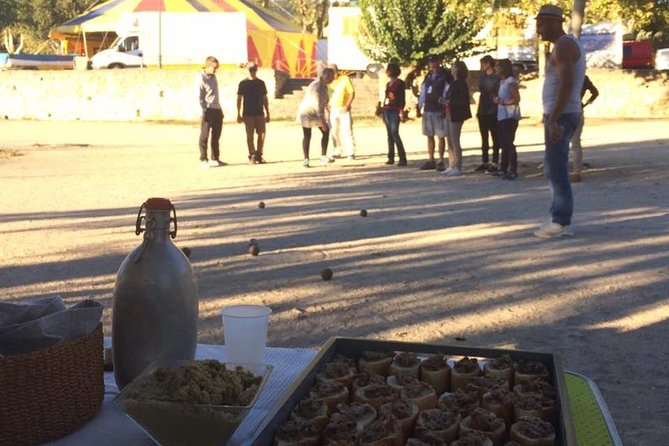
x=49, y=393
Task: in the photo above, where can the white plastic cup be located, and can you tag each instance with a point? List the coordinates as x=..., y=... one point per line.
x=245, y=331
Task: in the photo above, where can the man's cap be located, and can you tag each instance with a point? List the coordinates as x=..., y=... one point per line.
x=550, y=11
x=252, y=66
x=432, y=58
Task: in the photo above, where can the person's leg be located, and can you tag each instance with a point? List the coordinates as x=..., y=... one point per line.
x=346, y=133
x=484, y=130
x=335, y=130
x=492, y=125
x=576, y=148
x=395, y=131
x=513, y=154
x=249, y=126
x=306, y=141
x=325, y=138
x=556, y=169
x=216, y=129
x=503, y=138
x=260, y=129
x=205, y=128
x=455, y=153
x=430, y=148
x=391, y=140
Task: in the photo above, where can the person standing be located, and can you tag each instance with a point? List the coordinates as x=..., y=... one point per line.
x=576, y=147
x=393, y=106
x=486, y=114
x=434, y=118
x=508, y=115
x=457, y=100
x=561, y=97
x=253, y=93
x=312, y=112
x=212, y=114
x=341, y=123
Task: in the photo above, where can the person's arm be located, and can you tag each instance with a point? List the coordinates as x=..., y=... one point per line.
x=349, y=100
x=566, y=55
x=199, y=85
x=515, y=95
x=589, y=86
x=265, y=103
x=239, y=108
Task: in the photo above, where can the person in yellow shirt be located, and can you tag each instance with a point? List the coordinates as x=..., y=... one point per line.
x=341, y=125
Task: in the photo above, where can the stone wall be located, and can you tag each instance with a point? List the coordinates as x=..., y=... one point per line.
x=152, y=95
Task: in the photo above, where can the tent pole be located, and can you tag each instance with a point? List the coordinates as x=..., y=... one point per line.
x=85, y=44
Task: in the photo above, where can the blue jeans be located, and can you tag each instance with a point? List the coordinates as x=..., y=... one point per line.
x=391, y=118
x=556, y=168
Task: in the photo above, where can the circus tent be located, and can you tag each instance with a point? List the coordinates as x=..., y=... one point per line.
x=272, y=40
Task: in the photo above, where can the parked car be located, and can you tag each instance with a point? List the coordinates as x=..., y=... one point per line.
x=637, y=54
x=662, y=59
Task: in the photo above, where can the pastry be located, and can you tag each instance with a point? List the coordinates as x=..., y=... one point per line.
x=500, y=367
x=536, y=386
x=375, y=363
x=311, y=410
x=364, y=379
x=401, y=380
x=436, y=372
x=337, y=371
x=376, y=395
x=463, y=402
x=421, y=394
x=297, y=433
x=405, y=412
x=427, y=438
x=464, y=371
x=486, y=423
x=528, y=370
x=501, y=403
x=382, y=432
x=535, y=405
x=405, y=362
x=531, y=431
x=443, y=423
x=331, y=393
x=486, y=383
x=340, y=431
x=362, y=413
x=473, y=439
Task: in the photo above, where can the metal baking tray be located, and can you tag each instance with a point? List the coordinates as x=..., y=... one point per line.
x=353, y=347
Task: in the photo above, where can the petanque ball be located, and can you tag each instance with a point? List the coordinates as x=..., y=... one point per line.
x=363, y=212
x=326, y=274
x=253, y=242
x=254, y=250
x=261, y=205
x=186, y=250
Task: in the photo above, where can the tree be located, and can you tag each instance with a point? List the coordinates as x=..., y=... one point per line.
x=312, y=14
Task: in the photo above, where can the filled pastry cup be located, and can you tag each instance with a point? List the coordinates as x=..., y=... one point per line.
x=436, y=372
x=486, y=423
x=485, y=383
x=375, y=363
x=311, y=411
x=362, y=413
x=421, y=394
x=463, y=402
x=529, y=370
x=337, y=371
x=340, y=431
x=405, y=362
x=382, y=432
x=473, y=439
x=500, y=367
x=500, y=402
x=405, y=412
x=297, y=433
x=534, y=405
x=535, y=386
x=464, y=371
x=364, y=379
x=331, y=394
x=430, y=441
x=443, y=423
x=532, y=431
x=401, y=380
x=376, y=395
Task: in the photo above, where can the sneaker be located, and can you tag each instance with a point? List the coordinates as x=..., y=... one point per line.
x=204, y=164
x=499, y=173
x=402, y=163
x=510, y=176
x=351, y=157
x=390, y=162
x=575, y=177
x=482, y=168
x=553, y=230
x=441, y=166
x=428, y=165
x=452, y=172
x=259, y=159
x=336, y=154
x=492, y=168
x=326, y=160
x=252, y=159
x=305, y=163
x=215, y=163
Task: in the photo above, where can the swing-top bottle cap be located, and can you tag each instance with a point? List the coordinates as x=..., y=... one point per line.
x=158, y=204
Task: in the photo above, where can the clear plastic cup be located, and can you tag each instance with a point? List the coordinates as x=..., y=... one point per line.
x=245, y=331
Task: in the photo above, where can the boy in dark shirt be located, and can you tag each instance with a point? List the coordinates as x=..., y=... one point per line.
x=253, y=93
x=487, y=114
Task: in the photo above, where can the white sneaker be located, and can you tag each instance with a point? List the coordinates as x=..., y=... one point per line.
x=204, y=164
x=215, y=163
x=553, y=230
x=452, y=172
x=326, y=160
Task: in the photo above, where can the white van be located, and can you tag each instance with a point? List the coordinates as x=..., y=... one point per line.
x=662, y=59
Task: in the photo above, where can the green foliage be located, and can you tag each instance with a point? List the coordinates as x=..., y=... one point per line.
x=39, y=16
x=409, y=30
x=312, y=14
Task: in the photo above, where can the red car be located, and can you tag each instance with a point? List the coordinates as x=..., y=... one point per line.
x=637, y=54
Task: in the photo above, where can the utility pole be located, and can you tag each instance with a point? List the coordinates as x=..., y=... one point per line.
x=577, y=15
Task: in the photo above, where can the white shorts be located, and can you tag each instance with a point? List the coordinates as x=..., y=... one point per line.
x=434, y=124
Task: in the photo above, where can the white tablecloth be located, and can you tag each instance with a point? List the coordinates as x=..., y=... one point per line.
x=112, y=427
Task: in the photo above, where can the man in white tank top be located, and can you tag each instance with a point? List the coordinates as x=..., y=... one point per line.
x=565, y=71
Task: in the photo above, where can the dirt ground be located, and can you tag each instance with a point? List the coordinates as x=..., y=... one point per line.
x=437, y=260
